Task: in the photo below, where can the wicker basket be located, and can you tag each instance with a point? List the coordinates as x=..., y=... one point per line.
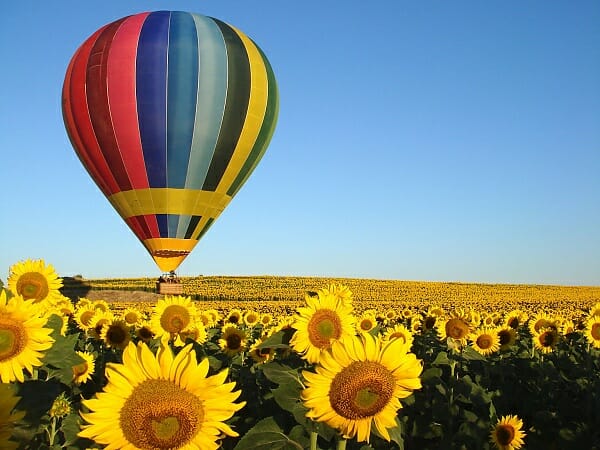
x=169, y=288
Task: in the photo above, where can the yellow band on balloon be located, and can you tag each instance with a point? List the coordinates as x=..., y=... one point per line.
x=192, y=202
x=257, y=107
x=168, y=253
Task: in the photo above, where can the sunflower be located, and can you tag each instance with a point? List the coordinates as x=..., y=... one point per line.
x=485, y=340
x=251, y=318
x=416, y=325
x=172, y=315
x=234, y=316
x=592, y=330
x=487, y=320
x=101, y=305
x=34, y=280
x=99, y=319
x=398, y=331
x=261, y=355
x=390, y=314
x=457, y=327
x=116, y=334
x=266, y=319
x=205, y=318
x=567, y=327
x=233, y=340
x=132, y=316
x=196, y=332
x=366, y=322
x=161, y=401
x=429, y=321
x=64, y=307
x=144, y=331
x=83, y=371
x=23, y=338
x=594, y=310
x=215, y=316
x=339, y=291
x=541, y=320
x=323, y=321
x=360, y=382
x=83, y=301
x=436, y=311
x=8, y=415
x=406, y=313
x=84, y=315
x=515, y=318
x=507, y=434
x=507, y=337
x=546, y=339
x=61, y=407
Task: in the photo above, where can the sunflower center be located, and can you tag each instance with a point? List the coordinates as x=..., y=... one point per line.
x=116, y=334
x=324, y=326
x=398, y=335
x=595, y=331
x=456, y=328
x=504, y=337
x=429, y=322
x=505, y=434
x=131, y=318
x=33, y=285
x=234, y=341
x=547, y=339
x=513, y=322
x=484, y=341
x=542, y=323
x=174, y=318
x=251, y=318
x=145, y=333
x=12, y=339
x=160, y=415
x=86, y=317
x=80, y=369
x=366, y=324
x=361, y=390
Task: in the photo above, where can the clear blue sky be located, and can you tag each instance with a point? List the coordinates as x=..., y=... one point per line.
x=449, y=141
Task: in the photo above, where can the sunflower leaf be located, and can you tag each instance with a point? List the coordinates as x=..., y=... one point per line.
x=281, y=339
x=281, y=374
x=267, y=434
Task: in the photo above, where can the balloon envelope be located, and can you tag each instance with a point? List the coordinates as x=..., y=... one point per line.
x=169, y=112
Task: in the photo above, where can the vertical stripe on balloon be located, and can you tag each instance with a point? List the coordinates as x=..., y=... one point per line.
x=182, y=86
x=265, y=134
x=97, y=95
x=236, y=106
x=151, y=84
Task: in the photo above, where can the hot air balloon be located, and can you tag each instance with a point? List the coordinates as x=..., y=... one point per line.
x=169, y=112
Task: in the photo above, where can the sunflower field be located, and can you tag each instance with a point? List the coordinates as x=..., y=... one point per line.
x=322, y=366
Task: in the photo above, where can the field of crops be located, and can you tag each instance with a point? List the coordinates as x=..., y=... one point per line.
x=368, y=293
x=297, y=363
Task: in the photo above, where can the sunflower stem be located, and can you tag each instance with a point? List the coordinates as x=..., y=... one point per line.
x=52, y=432
x=341, y=444
x=313, y=440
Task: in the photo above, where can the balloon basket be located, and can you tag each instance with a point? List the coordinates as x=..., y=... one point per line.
x=169, y=285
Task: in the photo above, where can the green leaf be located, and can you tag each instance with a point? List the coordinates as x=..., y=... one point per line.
x=431, y=373
x=470, y=354
x=281, y=339
x=267, y=434
x=286, y=396
x=281, y=374
x=441, y=359
x=396, y=434
x=70, y=428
